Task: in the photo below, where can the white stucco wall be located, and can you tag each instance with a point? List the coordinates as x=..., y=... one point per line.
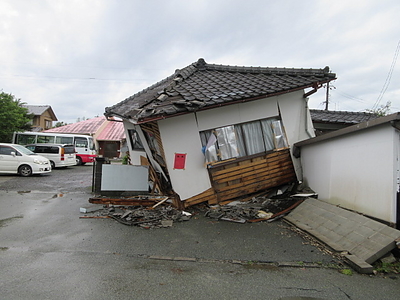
x=357, y=171
x=297, y=121
x=237, y=113
x=181, y=135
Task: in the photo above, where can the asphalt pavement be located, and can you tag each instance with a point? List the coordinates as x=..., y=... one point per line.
x=48, y=252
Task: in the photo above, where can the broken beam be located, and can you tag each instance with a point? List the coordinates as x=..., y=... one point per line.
x=124, y=201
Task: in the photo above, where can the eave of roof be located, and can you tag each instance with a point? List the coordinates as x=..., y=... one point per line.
x=201, y=86
x=393, y=118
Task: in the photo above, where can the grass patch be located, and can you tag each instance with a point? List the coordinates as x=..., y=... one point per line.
x=346, y=272
x=388, y=268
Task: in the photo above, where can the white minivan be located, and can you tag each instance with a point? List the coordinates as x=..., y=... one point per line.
x=59, y=155
x=16, y=159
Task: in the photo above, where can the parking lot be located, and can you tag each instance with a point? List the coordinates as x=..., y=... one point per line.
x=48, y=252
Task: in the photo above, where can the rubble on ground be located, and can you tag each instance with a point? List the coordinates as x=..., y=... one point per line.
x=268, y=207
x=145, y=217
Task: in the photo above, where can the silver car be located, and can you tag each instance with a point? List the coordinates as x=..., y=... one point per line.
x=16, y=159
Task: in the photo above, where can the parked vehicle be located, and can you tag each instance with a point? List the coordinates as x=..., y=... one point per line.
x=84, y=146
x=59, y=155
x=16, y=159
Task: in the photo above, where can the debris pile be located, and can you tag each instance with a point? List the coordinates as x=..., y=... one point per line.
x=157, y=212
x=268, y=207
x=145, y=217
x=253, y=211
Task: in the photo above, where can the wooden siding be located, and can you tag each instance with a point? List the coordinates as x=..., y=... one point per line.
x=208, y=196
x=240, y=177
x=153, y=128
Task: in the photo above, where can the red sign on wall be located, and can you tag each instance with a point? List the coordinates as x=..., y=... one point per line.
x=180, y=160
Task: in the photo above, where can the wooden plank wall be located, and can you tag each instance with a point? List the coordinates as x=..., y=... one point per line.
x=152, y=127
x=236, y=179
x=241, y=177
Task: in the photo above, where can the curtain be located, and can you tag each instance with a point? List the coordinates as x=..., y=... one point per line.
x=280, y=138
x=268, y=134
x=253, y=139
x=226, y=138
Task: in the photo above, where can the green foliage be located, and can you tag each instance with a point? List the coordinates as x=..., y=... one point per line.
x=382, y=110
x=346, y=272
x=59, y=124
x=13, y=117
x=383, y=267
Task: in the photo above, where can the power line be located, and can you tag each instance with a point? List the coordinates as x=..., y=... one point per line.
x=388, y=78
x=349, y=96
x=70, y=78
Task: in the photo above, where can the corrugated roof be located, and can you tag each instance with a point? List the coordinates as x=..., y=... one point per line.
x=341, y=117
x=114, y=131
x=201, y=86
x=90, y=126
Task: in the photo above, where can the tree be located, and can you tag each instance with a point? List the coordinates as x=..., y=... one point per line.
x=13, y=117
x=382, y=110
x=59, y=124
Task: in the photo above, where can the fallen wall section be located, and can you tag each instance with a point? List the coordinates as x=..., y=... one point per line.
x=364, y=239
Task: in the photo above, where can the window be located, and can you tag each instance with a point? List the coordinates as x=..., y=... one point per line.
x=69, y=149
x=6, y=150
x=45, y=149
x=64, y=140
x=81, y=142
x=24, y=139
x=45, y=139
x=135, y=140
x=243, y=139
x=48, y=124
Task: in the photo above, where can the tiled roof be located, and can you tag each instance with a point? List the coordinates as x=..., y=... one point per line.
x=340, y=117
x=389, y=119
x=201, y=86
x=84, y=127
x=114, y=131
x=38, y=110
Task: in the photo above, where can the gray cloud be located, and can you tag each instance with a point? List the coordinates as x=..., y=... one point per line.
x=81, y=56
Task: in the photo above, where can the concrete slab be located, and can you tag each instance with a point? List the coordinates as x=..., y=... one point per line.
x=364, y=239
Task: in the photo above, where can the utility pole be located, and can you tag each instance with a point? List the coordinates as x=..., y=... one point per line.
x=327, y=96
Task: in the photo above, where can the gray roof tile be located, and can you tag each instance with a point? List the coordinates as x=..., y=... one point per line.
x=341, y=117
x=201, y=85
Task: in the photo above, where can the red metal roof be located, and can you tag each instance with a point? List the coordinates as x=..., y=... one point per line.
x=90, y=126
x=114, y=131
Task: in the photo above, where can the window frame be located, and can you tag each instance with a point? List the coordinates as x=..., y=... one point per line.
x=243, y=137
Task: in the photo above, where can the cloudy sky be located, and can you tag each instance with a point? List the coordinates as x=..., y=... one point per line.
x=80, y=56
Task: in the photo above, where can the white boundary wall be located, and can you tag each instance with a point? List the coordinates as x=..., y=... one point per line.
x=357, y=171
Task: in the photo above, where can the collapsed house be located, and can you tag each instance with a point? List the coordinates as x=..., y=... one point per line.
x=214, y=133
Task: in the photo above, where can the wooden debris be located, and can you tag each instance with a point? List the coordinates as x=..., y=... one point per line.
x=131, y=201
x=161, y=202
x=94, y=217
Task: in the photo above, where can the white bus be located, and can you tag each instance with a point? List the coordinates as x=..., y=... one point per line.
x=84, y=146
